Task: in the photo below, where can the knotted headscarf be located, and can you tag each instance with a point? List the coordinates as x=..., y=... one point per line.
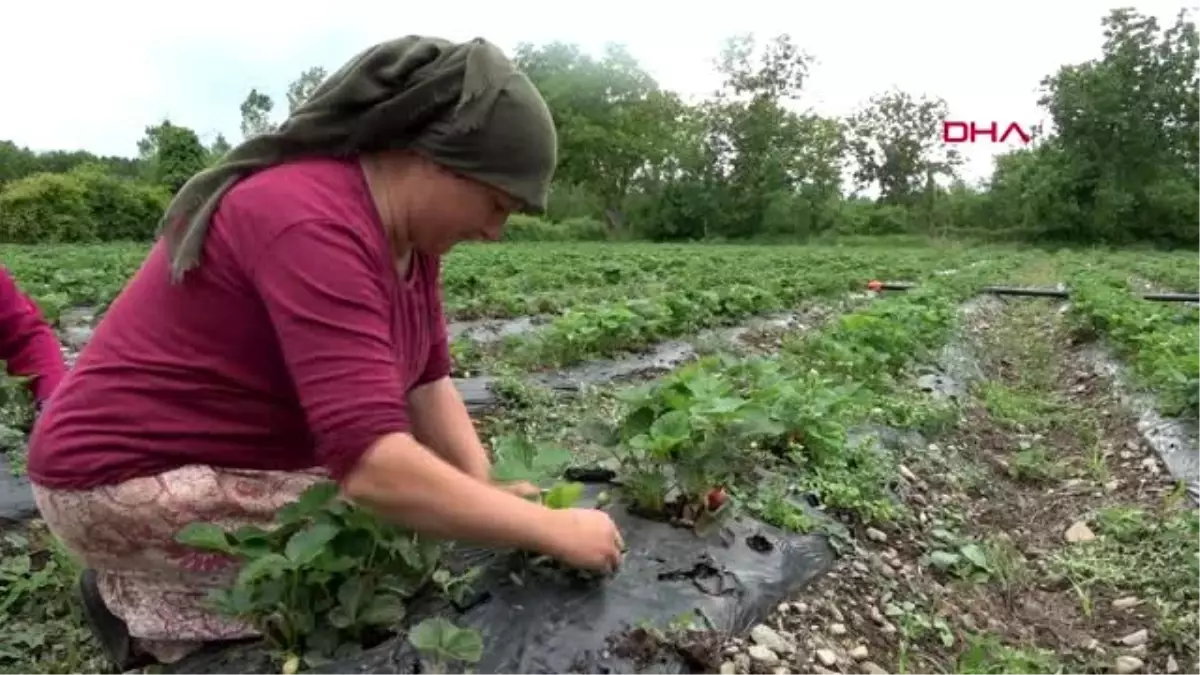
x=464, y=105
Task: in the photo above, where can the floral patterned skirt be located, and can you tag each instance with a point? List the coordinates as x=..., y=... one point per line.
x=126, y=533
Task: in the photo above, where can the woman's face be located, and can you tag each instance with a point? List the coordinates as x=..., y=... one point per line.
x=452, y=209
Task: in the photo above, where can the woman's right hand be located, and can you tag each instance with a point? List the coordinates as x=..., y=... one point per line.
x=586, y=539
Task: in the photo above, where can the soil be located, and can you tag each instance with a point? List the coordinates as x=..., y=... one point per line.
x=700, y=650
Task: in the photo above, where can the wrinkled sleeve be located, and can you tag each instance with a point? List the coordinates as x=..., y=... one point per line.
x=439, y=364
x=331, y=312
x=28, y=345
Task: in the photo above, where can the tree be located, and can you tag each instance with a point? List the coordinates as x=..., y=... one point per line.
x=766, y=156
x=302, y=87
x=612, y=119
x=897, y=146
x=1127, y=126
x=256, y=114
x=172, y=154
x=219, y=147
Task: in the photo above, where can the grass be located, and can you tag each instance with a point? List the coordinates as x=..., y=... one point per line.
x=978, y=576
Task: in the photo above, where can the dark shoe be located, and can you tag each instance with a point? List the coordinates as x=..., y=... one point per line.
x=109, y=629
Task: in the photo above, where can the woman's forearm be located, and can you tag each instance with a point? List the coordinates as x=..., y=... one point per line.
x=407, y=483
x=441, y=423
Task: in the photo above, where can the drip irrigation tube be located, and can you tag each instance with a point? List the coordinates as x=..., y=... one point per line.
x=1036, y=292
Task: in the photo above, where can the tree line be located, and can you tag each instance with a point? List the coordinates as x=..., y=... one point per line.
x=1117, y=166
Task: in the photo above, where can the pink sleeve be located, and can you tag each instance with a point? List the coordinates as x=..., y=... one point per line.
x=438, y=365
x=332, y=316
x=28, y=345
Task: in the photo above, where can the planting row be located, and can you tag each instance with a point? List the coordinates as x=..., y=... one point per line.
x=1174, y=271
x=1160, y=342
x=505, y=280
x=529, y=279
x=726, y=295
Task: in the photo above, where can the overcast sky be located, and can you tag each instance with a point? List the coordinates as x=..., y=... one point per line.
x=93, y=75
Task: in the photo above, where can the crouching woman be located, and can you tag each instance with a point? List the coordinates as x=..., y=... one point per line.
x=288, y=327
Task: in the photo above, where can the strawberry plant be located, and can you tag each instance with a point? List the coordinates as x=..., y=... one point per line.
x=562, y=495
x=518, y=459
x=690, y=434
x=326, y=580
x=442, y=644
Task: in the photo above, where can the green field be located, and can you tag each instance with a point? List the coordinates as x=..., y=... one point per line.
x=953, y=552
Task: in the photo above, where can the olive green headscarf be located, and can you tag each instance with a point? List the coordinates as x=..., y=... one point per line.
x=464, y=105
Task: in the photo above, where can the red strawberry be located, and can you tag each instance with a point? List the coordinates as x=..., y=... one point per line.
x=716, y=498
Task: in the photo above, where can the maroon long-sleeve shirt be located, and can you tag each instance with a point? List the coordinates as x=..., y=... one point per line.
x=28, y=345
x=293, y=345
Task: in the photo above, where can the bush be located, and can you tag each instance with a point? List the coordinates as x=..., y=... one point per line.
x=530, y=228
x=84, y=205
x=124, y=209
x=572, y=201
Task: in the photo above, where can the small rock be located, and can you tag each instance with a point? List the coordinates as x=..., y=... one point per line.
x=859, y=653
x=827, y=657
x=908, y=474
x=1172, y=665
x=768, y=637
x=729, y=668
x=1126, y=602
x=876, y=535
x=1128, y=664
x=1150, y=464
x=1079, y=533
x=968, y=622
x=876, y=615
x=837, y=629
x=781, y=670
x=819, y=670
x=1135, y=638
x=761, y=654
x=872, y=668
x=742, y=661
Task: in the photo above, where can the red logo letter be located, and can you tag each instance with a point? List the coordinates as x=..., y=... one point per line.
x=1025, y=137
x=989, y=131
x=959, y=137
